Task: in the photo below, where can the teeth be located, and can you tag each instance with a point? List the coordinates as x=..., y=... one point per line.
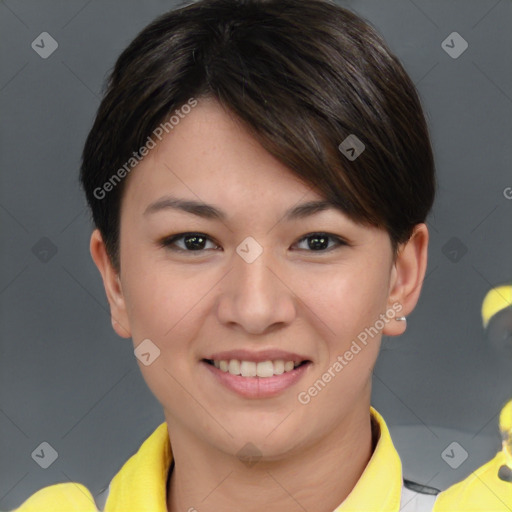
x=247, y=368
x=234, y=367
x=252, y=369
x=265, y=369
x=278, y=367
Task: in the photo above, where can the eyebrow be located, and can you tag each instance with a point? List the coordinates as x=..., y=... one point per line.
x=208, y=211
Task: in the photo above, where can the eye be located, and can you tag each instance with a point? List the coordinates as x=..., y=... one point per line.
x=319, y=242
x=197, y=242
x=191, y=242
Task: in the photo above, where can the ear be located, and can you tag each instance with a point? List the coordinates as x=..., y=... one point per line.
x=112, y=285
x=406, y=278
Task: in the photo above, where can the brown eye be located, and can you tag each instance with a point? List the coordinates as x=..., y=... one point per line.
x=190, y=242
x=319, y=242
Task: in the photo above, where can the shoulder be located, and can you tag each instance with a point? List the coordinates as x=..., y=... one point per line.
x=63, y=497
x=142, y=471
x=487, y=489
x=483, y=490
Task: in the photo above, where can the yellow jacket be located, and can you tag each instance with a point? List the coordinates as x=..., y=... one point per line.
x=140, y=485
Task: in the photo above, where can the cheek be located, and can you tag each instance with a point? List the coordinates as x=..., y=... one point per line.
x=159, y=296
x=165, y=307
x=346, y=299
x=343, y=307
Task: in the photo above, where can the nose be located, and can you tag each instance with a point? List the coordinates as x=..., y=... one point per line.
x=255, y=296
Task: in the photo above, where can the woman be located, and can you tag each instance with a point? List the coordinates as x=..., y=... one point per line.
x=259, y=175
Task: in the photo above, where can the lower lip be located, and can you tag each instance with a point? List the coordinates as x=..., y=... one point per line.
x=258, y=387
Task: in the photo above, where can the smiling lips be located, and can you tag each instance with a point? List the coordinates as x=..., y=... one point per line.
x=264, y=364
x=262, y=369
x=261, y=374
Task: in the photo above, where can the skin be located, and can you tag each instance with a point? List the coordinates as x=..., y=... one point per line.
x=291, y=297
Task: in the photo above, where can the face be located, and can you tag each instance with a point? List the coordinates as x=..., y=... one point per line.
x=253, y=279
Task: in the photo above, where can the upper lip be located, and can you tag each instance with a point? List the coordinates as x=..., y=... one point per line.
x=263, y=355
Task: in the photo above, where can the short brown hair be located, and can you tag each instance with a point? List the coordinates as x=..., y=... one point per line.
x=303, y=75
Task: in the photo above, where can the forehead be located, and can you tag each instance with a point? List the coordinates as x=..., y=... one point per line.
x=209, y=155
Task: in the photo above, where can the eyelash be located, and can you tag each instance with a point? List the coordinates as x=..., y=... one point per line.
x=168, y=242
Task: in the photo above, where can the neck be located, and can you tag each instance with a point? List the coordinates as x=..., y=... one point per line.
x=317, y=477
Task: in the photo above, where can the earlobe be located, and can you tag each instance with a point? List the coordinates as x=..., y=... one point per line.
x=112, y=284
x=407, y=278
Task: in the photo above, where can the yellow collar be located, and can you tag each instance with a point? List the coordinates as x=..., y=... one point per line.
x=380, y=486
x=141, y=483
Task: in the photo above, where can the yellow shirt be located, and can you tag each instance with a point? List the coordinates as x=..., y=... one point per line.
x=141, y=485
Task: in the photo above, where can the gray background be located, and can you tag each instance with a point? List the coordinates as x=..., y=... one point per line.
x=67, y=379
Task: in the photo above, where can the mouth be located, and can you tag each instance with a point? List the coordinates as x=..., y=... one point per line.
x=255, y=380
x=261, y=369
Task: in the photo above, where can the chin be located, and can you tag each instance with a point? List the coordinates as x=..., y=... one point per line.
x=273, y=442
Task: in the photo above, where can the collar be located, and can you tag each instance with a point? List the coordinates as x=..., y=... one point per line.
x=141, y=483
x=379, y=488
